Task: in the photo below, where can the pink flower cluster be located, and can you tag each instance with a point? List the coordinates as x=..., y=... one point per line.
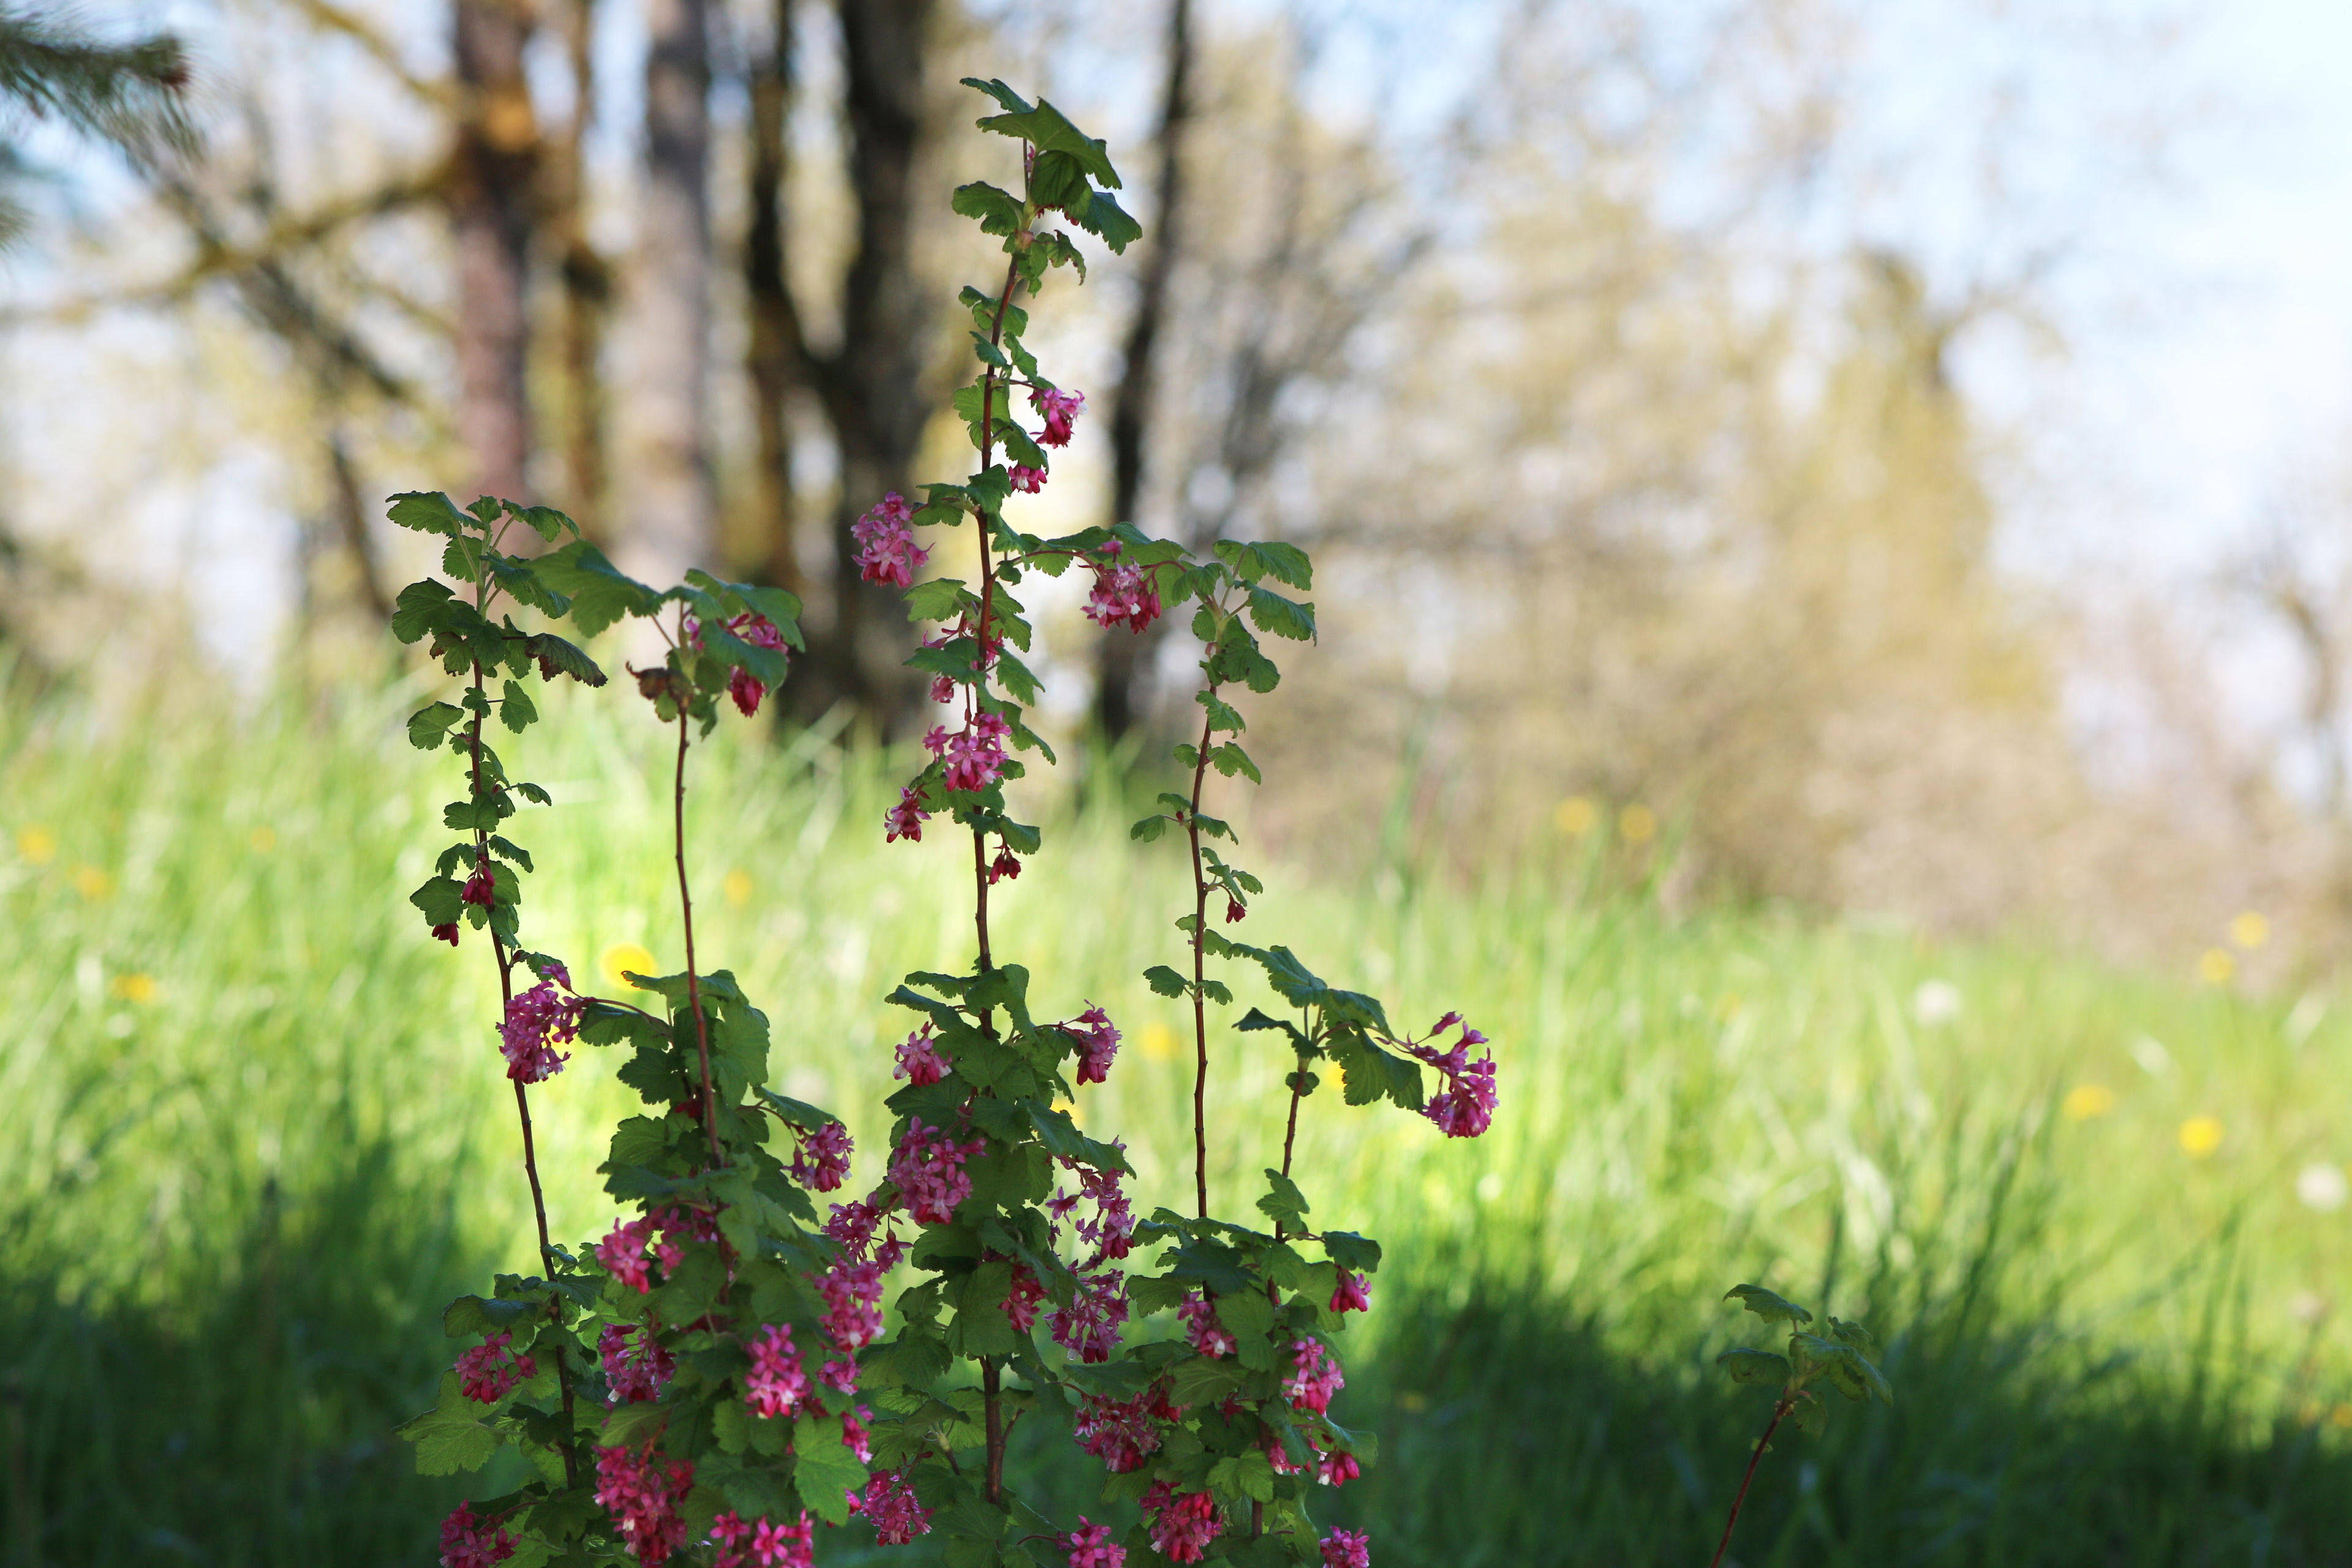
x=1354, y=1294
x=1060, y=409
x=1346, y=1549
x=852, y=1287
x=1123, y=593
x=1208, y=1336
x=1026, y=479
x=928, y=1170
x=1315, y=1377
x=1331, y=1467
x=479, y=888
x=537, y=1022
x=887, y=551
x=854, y=1435
x=742, y=1543
x=1088, y=1327
x=635, y=1366
x=974, y=754
x=920, y=1060
x=465, y=1545
x=1090, y=1546
x=642, y=1493
x=1181, y=1524
x=1021, y=1301
x=906, y=819
x=777, y=1384
x=1466, y=1107
x=622, y=1252
x=1123, y=1433
x=1110, y=1230
x=1005, y=867
x=490, y=1368
x=1097, y=1044
x=890, y=1506
x=821, y=1159
x=744, y=687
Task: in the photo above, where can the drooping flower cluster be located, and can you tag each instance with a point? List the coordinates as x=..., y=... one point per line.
x=920, y=1060
x=1097, y=1044
x=927, y=1168
x=906, y=819
x=1021, y=1301
x=1060, y=409
x=635, y=1366
x=744, y=687
x=1088, y=1327
x=1123, y=593
x=1090, y=1546
x=1027, y=479
x=537, y=1022
x=1181, y=1524
x=466, y=1544
x=887, y=551
x=1005, y=867
x=1110, y=1229
x=1123, y=1433
x=852, y=1287
x=1315, y=1377
x=974, y=754
x=1346, y=1549
x=1466, y=1107
x=490, y=1368
x=1208, y=1336
x=777, y=1384
x=1354, y=1294
x=890, y=1506
x=747, y=1543
x=622, y=1253
x=821, y=1159
x=642, y=1491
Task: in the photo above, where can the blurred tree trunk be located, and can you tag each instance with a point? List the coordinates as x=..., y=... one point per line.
x=587, y=283
x=772, y=360
x=671, y=516
x=871, y=385
x=492, y=173
x=1123, y=661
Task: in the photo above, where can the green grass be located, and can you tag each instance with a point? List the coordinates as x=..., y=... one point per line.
x=253, y=1136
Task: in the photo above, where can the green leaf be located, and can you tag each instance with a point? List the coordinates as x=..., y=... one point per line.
x=486, y=1315
x=1284, y=1203
x=1250, y=1474
x=1148, y=829
x=1164, y=981
x=823, y=1470
x=419, y=609
x=1283, y=617
x=557, y=656
x=1852, y=1334
x=1011, y=100
x=1747, y=1365
x=429, y=511
x=1809, y=1415
x=1357, y=1253
x=450, y=1437
x=429, y=723
x=515, y=710
x=1771, y=1307
x=600, y=593
x=1047, y=129
x=999, y=212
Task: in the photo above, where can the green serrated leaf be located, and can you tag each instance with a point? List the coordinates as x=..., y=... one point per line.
x=1765, y=1304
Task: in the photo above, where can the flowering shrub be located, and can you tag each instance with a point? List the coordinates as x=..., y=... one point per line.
x=715, y=1375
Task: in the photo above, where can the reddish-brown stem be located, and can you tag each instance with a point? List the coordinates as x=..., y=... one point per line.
x=987, y=593
x=990, y=1378
x=1200, y=939
x=693, y=985
x=1787, y=1403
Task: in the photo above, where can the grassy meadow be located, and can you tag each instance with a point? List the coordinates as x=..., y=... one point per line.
x=253, y=1136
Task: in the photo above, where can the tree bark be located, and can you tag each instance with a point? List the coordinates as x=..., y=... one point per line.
x=872, y=385
x=1123, y=665
x=771, y=357
x=587, y=285
x=671, y=519
x=491, y=214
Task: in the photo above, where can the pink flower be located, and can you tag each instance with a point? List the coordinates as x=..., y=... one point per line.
x=1028, y=479
x=1059, y=409
x=854, y=1436
x=889, y=1505
x=490, y=1368
x=1234, y=909
x=744, y=687
x=1004, y=868
x=1122, y=594
x=1315, y=1377
x=839, y=1376
x=1354, y=1294
x=906, y=819
x=1088, y=1327
x=974, y=755
x=1346, y=1549
x=928, y=1170
x=742, y=1543
x=920, y=1060
x=479, y=888
x=852, y=1299
x=854, y=1226
x=777, y=1384
x=1121, y=1433
x=1208, y=1336
x=465, y=1545
x=1097, y=1044
x=636, y=1365
x=886, y=549
x=1021, y=1301
x=1181, y=1524
x=536, y=1023
x=1090, y=1546
x=1111, y=1229
x=1466, y=1107
x=821, y=1159
x=1335, y=1470
x=447, y=933
x=622, y=1253
x=642, y=1494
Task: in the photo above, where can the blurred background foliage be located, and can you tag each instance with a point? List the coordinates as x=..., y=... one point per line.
x=1856, y=911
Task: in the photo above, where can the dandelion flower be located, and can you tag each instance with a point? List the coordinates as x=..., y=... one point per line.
x=37, y=845
x=141, y=989
x=738, y=887
x=2087, y=1100
x=1638, y=823
x=263, y=839
x=92, y=883
x=1575, y=816
x=2215, y=967
x=620, y=960
x=2249, y=929
x=1158, y=1042
x=2199, y=1136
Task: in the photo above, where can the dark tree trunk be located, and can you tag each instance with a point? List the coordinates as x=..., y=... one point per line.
x=490, y=214
x=872, y=385
x=1123, y=665
x=771, y=356
x=672, y=511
